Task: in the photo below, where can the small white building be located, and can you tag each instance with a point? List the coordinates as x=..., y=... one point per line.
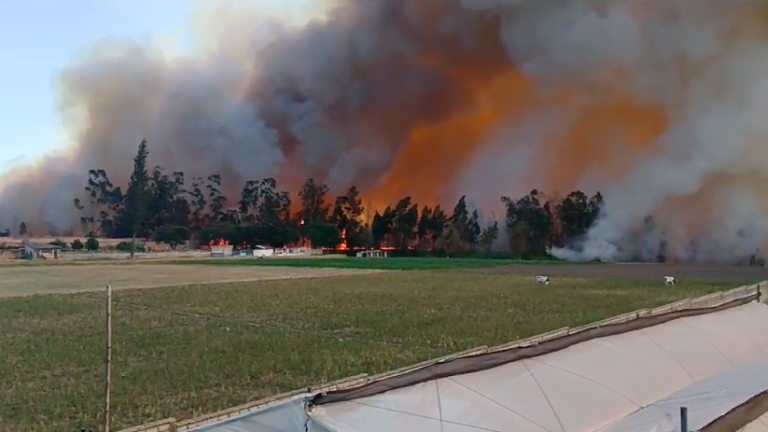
x=33, y=251
x=371, y=254
x=221, y=251
x=263, y=251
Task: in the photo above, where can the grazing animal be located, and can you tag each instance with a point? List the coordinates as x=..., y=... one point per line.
x=669, y=280
x=542, y=280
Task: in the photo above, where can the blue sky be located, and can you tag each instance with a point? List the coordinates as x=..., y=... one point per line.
x=39, y=37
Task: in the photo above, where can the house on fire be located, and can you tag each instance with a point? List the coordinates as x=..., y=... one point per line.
x=34, y=251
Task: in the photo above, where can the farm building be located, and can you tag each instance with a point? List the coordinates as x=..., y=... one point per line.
x=631, y=373
x=41, y=250
x=371, y=254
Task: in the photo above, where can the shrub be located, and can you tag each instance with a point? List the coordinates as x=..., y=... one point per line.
x=77, y=245
x=126, y=247
x=59, y=243
x=92, y=244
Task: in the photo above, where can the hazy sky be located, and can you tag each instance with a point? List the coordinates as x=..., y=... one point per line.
x=39, y=37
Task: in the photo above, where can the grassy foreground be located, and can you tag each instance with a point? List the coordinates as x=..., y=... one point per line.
x=392, y=263
x=186, y=351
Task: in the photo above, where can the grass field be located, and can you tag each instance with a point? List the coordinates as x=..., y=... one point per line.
x=186, y=351
x=51, y=279
x=418, y=263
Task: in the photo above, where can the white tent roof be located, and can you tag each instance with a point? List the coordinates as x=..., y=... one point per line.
x=630, y=382
x=706, y=400
x=581, y=388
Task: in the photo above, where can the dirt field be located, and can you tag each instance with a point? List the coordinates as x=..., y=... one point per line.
x=681, y=272
x=27, y=280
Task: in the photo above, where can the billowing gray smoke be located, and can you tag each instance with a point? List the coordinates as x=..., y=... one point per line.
x=659, y=105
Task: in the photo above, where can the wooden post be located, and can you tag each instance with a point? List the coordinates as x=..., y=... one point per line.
x=108, y=362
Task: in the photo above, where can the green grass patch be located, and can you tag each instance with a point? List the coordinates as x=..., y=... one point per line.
x=186, y=351
x=393, y=263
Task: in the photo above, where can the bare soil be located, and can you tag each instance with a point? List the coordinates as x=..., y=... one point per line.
x=638, y=271
x=29, y=280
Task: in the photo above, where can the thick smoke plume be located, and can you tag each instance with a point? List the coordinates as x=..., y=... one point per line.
x=662, y=106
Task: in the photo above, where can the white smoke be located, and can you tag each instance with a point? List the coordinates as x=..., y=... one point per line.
x=703, y=63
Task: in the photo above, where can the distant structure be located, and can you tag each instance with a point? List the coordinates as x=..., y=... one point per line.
x=220, y=248
x=33, y=251
x=258, y=251
x=371, y=254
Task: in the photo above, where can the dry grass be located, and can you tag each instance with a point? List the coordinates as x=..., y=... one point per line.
x=27, y=280
x=186, y=351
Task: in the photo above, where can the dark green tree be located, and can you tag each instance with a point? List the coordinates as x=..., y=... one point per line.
x=596, y=205
x=167, y=204
x=197, y=203
x=347, y=215
x=382, y=226
x=460, y=218
x=103, y=203
x=430, y=227
x=22, y=228
x=488, y=236
x=473, y=231
x=575, y=215
x=216, y=200
x=137, y=195
x=537, y=223
x=314, y=207
x=91, y=244
x=322, y=234
x=405, y=218
x=450, y=241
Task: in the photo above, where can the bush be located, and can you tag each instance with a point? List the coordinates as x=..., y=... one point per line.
x=59, y=243
x=92, y=244
x=126, y=247
x=77, y=245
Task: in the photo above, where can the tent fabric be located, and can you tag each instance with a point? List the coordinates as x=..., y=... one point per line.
x=630, y=382
x=584, y=387
x=484, y=361
x=288, y=416
x=706, y=400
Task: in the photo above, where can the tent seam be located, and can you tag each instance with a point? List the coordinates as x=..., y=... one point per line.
x=423, y=416
x=588, y=379
x=497, y=403
x=439, y=404
x=685, y=322
x=552, y=407
x=674, y=359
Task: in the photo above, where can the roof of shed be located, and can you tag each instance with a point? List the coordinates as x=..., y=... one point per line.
x=41, y=245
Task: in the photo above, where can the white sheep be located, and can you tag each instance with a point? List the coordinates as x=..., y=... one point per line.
x=542, y=280
x=669, y=280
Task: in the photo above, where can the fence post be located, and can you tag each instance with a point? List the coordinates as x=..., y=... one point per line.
x=683, y=419
x=108, y=361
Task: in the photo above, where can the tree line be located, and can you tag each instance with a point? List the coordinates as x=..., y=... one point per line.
x=168, y=207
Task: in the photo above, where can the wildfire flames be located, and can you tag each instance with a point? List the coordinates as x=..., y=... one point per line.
x=659, y=105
